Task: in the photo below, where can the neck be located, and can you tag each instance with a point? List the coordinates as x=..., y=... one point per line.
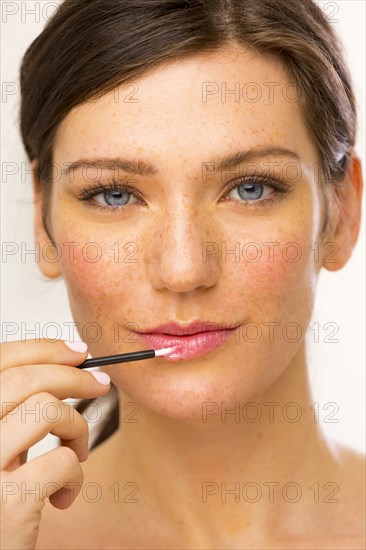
x=245, y=454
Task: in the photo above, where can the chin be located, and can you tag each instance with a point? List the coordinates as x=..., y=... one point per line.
x=189, y=390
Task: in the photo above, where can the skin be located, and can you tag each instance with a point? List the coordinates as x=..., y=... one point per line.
x=169, y=453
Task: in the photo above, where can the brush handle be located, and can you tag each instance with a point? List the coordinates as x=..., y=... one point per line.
x=113, y=359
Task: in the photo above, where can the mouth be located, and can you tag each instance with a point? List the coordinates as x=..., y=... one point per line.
x=190, y=341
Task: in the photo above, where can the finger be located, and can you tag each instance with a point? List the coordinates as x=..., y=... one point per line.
x=39, y=350
x=62, y=381
x=54, y=471
x=32, y=420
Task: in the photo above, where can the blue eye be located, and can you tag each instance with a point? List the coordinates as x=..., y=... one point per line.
x=256, y=191
x=111, y=197
x=115, y=198
x=250, y=191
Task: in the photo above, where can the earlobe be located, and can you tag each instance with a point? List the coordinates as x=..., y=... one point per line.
x=48, y=257
x=346, y=209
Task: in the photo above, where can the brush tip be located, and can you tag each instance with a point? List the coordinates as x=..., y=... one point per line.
x=165, y=351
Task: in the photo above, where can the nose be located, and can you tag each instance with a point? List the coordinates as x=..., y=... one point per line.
x=176, y=259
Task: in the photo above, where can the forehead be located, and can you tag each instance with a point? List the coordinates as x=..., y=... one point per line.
x=196, y=107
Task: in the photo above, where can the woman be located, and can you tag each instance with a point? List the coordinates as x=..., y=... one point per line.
x=189, y=158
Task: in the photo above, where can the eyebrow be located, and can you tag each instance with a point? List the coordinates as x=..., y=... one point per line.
x=142, y=168
x=230, y=161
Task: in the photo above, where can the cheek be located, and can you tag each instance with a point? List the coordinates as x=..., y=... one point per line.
x=277, y=257
x=93, y=274
x=280, y=266
x=275, y=279
x=98, y=269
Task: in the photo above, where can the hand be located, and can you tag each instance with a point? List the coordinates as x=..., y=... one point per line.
x=35, y=376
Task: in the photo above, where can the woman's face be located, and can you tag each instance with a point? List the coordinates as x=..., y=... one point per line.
x=185, y=246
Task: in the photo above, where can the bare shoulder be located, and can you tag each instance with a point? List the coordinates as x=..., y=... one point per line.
x=352, y=492
x=353, y=472
x=341, y=511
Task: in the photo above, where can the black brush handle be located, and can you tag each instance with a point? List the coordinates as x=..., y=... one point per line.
x=113, y=359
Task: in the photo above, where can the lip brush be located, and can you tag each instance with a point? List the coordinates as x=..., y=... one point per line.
x=124, y=357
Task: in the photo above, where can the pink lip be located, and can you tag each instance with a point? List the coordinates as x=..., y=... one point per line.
x=179, y=329
x=188, y=347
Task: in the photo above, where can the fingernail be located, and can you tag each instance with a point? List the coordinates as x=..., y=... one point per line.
x=80, y=347
x=101, y=377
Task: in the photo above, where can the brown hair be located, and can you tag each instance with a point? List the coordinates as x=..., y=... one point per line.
x=120, y=40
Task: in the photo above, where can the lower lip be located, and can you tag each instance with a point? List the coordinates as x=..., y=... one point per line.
x=188, y=347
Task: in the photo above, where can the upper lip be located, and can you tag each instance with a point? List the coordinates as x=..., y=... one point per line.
x=178, y=329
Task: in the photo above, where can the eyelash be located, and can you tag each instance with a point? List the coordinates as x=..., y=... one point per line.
x=277, y=184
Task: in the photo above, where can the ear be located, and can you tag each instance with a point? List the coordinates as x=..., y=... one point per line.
x=346, y=218
x=48, y=257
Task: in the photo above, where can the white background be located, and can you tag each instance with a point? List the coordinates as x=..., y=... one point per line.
x=336, y=369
